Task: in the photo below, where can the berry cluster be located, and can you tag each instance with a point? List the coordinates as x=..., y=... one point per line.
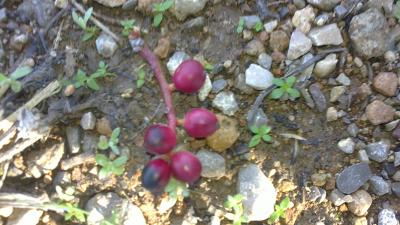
x=160, y=139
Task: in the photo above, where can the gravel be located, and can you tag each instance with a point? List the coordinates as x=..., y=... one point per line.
x=378, y=151
x=326, y=35
x=106, y=45
x=213, y=164
x=346, y=145
x=258, y=78
x=379, y=186
x=353, y=177
x=387, y=217
x=226, y=102
x=299, y=45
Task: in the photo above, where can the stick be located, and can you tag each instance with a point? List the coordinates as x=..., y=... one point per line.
x=77, y=160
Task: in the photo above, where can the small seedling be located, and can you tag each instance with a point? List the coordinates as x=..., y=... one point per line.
x=109, y=167
x=279, y=210
x=258, y=27
x=90, y=81
x=208, y=66
x=159, y=9
x=127, y=27
x=90, y=31
x=113, y=220
x=285, y=87
x=12, y=80
x=261, y=133
x=112, y=143
x=240, y=26
x=234, y=203
x=141, y=75
x=396, y=10
x=72, y=211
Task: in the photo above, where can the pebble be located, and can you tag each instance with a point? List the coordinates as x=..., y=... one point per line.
x=103, y=126
x=326, y=5
x=299, y=45
x=270, y=26
x=219, y=85
x=347, y=145
x=368, y=32
x=338, y=198
x=45, y=159
x=396, y=188
x=387, y=5
x=162, y=49
x=337, y=92
x=390, y=56
x=250, y=21
x=322, y=19
x=111, y=3
x=352, y=129
x=396, y=176
x=258, y=120
x=363, y=156
x=378, y=112
x=3, y=15
x=331, y=114
x=258, y=78
x=176, y=59
x=226, y=102
x=18, y=41
x=89, y=142
x=340, y=11
x=106, y=45
x=318, y=97
x=378, y=151
x=386, y=83
x=387, y=217
x=353, y=177
x=254, y=47
x=225, y=136
x=73, y=139
x=129, y=4
x=316, y=194
x=24, y=217
x=303, y=18
x=279, y=40
x=184, y=8
x=194, y=24
x=265, y=60
x=258, y=191
x=206, y=89
x=361, y=203
x=379, y=186
x=360, y=221
x=299, y=3
x=102, y=205
x=343, y=79
x=319, y=179
x=397, y=159
x=213, y=164
x=326, y=35
x=326, y=66
x=88, y=121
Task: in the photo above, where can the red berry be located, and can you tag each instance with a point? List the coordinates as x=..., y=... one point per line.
x=200, y=123
x=185, y=166
x=156, y=174
x=159, y=139
x=189, y=77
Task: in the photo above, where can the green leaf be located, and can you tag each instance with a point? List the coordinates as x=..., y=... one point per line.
x=278, y=82
x=80, y=77
x=290, y=81
x=78, y=20
x=91, y=83
x=267, y=138
x=114, y=148
x=15, y=86
x=139, y=83
x=114, y=135
x=104, y=172
x=120, y=161
x=264, y=129
x=285, y=203
x=103, y=143
x=118, y=170
x=240, y=27
x=396, y=10
x=208, y=66
x=20, y=72
x=88, y=14
x=164, y=6
x=3, y=79
x=258, y=26
x=255, y=140
x=273, y=218
x=254, y=129
x=277, y=93
x=87, y=36
x=229, y=202
x=294, y=93
x=238, y=198
x=157, y=19
x=171, y=186
x=102, y=160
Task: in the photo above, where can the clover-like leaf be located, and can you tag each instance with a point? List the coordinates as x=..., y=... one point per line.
x=114, y=135
x=103, y=143
x=277, y=93
x=20, y=72
x=120, y=161
x=278, y=82
x=91, y=83
x=240, y=26
x=16, y=86
x=157, y=19
x=294, y=93
x=254, y=141
x=267, y=138
x=88, y=14
x=102, y=160
x=290, y=81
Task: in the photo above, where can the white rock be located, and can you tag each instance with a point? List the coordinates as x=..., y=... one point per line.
x=303, y=18
x=343, y=79
x=331, y=114
x=258, y=77
x=387, y=217
x=336, y=92
x=265, y=60
x=226, y=102
x=205, y=90
x=213, y=164
x=106, y=45
x=111, y=3
x=299, y=45
x=326, y=66
x=88, y=121
x=326, y=35
x=270, y=26
x=176, y=59
x=347, y=145
x=24, y=217
x=184, y=8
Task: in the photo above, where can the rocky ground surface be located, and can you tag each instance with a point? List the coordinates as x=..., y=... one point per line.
x=335, y=150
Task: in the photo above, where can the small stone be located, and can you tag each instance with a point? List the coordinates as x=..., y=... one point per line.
x=343, y=79
x=322, y=19
x=318, y=97
x=326, y=5
x=326, y=66
x=303, y=18
x=299, y=45
x=6, y=211
x=247, y=35
x=390, y=56
x=24, y=217
x=397, y=159
x=286, y=186
x=386, y=83
x=129, y=4
x=379, y=186
x=206, y=89
x=194, y=24
x=225, y=136
x=254, y=47
x=326, y=35
x=226, y=102
x=352, y=129
x=258, y=192
x=353, y=177
x=347, y=145
x=61, y=4
x=219, y=85
x=213, y=164
x=319, y=179
x=184, y=8
x=360, y=221
x=279, y=40
x=378, y=151
x=378, y=112
x=361, y=203
x=258, y=120
x=396, y=176
x=299, y=3
x=88, y=121
x=89, y=142
x=162, y=48
x=251, y=21
x=106, y=45
x=176, y=59
x=396, y=188
x=340, y=11
x=387, y=217
x=316, y=194
x=337, y=92
x=331, y=114
x=258, y=77
x=265, y=60
x=45, y=160
x=111, y=3
x=69, y=90
x=363, y=156
x=103, y=126
x=270, y=26
x=3, y=15
x=18, y=41
x=338, y=198
x=73, y=139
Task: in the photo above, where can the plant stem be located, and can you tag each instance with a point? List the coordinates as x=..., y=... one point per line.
x=139, y=46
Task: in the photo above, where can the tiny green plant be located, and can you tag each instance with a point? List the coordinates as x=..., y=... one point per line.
x=81, y=78
x=12, y=80
x=105, y=143
x=90, y=31
x=159, y=9
x=127, y=27
x=279, y=210
x=240, y=26
x=72, y=211
x=176, y=190
x=234, y=203
x=109, y=166
x=141, y=75
x=208, y=66
x=261, y=133
x=396, y=11
x=258, y=27
x=285, y=86
x=113, y=220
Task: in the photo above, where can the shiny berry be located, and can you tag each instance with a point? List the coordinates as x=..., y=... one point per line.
x=156, y=174
x=159, y=139
x=200, y=123
x=189, y=77
x=185, y=166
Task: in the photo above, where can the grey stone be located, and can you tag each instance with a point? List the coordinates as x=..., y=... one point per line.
x=326, y=66
x=3, y=15
x=347, y=145
x=378, y=151
x=258, y=191
x=89, y=142
x=338, y=198
x=176, y=59
x=24, y=217
x=387, y=217
x=307, y=73
x=299, y=45
x=219, y=85
x=361, y=203
x=195, y=23
x=18, y=41
x=265, y=60
x=299, y=3
x=368, y=32
x=396, y=188
x=363, y=156
x=316, y=194
x=318, y=97
x=270, y=26
x=337, y=92
x=45, y=160
x=226, y=102
x=106, y=45
x=343, y=79
x=303, y=18
x=353, y=177
x=396, y=176
x=206, y=89
x=397, y=159
x=322, y=19
x=251, y=21
x=111, y=3
x=254, y=47
x=88, y=121
x=352, y=129
x=331, y=114
x=213, y=164
x=129, y=4
x=326, y=35
x=340, y=11
x=184, y=8
x=102, y=205
x=326, y=5
x=379, y=186
x=258, y=120
x=73, y=138
x=258, y=77
x=387, y=5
